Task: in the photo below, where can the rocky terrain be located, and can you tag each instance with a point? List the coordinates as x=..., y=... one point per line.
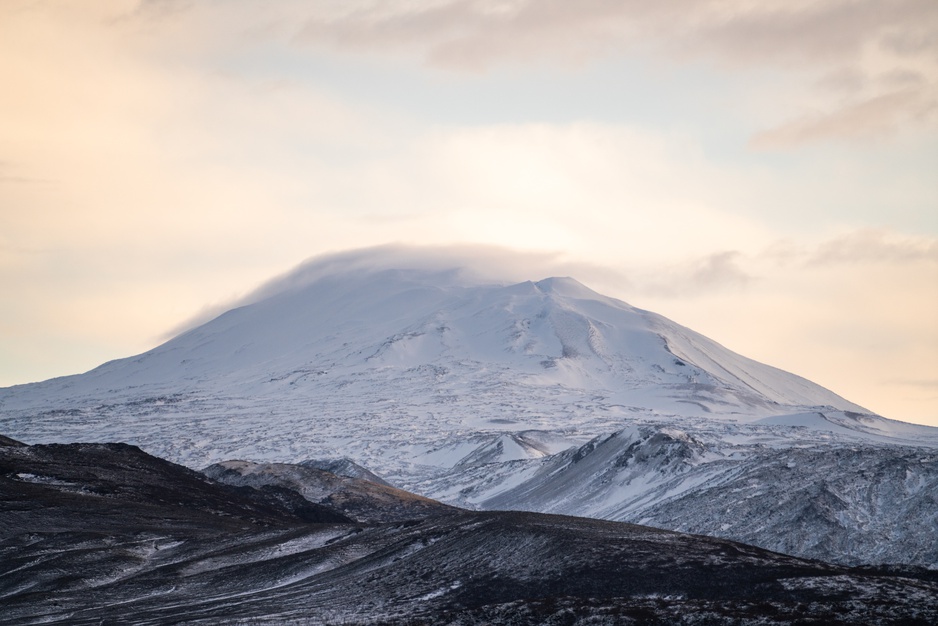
x=104, y=533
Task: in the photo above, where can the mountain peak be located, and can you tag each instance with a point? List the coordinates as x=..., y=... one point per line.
x=568, y=287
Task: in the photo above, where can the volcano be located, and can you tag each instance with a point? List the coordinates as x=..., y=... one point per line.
x=490, y=394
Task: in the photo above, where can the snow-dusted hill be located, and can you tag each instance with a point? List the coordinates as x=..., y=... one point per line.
x=446, y=384
x=834, y=500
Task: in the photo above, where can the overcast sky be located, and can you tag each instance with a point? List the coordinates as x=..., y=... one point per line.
x=762, y=171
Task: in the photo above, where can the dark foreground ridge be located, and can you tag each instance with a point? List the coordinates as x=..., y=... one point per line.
x=104, y=533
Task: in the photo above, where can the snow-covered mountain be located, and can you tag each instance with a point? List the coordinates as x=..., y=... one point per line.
x=473, y=392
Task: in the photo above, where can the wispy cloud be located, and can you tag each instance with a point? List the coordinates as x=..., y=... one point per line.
x=894, y=40
x=721, y=269
x=930, y=383
x=711, y=274
x=475, y=34
x=733, y=271
x=881, y=57
x=879, y=116
x=461, y=262
x=875, y=246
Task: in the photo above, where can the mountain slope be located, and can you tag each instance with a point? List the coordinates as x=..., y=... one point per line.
x=831, y=501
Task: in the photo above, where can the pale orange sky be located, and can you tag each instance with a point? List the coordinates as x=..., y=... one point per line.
x=760, y=172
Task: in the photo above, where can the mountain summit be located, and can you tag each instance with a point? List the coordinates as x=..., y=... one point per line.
x=368, y=352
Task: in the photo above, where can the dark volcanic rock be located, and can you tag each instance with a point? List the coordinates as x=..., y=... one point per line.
x=106, y=486
x=103, y=533
x=6, y=441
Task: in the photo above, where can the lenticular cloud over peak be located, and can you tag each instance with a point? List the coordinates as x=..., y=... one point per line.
x=461, y=264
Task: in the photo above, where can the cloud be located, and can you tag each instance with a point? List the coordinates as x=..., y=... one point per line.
x=891, y=40
x=477, y=34
x=734, y=272
x=875, y=117
x=883, y=54
x=870, y=247
x=812, y=32
x=931, y=383
x=719, y=272
x=461, y=263
x=721, y=269
x=875, y=246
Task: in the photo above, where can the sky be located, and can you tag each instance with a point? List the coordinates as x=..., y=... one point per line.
x=764, y=172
